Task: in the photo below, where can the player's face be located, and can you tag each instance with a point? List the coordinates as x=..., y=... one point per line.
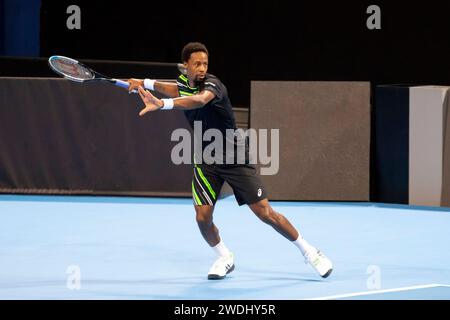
x=197, y=66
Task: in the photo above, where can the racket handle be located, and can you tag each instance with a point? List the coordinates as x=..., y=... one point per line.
x=123, y=84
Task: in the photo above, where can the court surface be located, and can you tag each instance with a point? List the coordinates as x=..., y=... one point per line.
x=150, y=248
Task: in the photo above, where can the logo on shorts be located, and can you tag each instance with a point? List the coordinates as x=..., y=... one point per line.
x=259, y=192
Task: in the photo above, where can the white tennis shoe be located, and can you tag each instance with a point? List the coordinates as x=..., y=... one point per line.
x=221, y=267
x=319, y=262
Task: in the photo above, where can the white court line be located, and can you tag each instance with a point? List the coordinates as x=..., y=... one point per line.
x=366, y=293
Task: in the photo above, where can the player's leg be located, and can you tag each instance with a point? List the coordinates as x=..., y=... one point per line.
x=248, y=189
x=204, y=218
x=205, y=189
x=264, y=211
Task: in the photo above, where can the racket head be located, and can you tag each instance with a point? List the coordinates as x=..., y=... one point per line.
x=70, y=69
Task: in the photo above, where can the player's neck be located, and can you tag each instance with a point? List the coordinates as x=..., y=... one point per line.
x=192, y=83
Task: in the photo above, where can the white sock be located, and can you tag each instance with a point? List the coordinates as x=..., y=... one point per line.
x=221, y=249
x=302, y=244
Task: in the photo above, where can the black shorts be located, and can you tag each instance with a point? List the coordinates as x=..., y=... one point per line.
x=207, y=182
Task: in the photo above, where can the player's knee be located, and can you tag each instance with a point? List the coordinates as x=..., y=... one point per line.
x=203, y=218
x=266, y=214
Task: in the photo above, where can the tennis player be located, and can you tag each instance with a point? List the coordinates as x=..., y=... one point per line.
x=203, y=97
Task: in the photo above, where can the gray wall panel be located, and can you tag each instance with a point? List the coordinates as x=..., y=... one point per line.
x=426, y=140
x=324, y=138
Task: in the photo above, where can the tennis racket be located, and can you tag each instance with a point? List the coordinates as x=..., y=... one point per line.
x=73, y=70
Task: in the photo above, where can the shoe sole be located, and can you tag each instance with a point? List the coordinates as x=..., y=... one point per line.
x=328, y=273
x=217, y=277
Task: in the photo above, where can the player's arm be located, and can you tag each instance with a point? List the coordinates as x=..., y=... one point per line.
x=168, y=89
x=182, y=103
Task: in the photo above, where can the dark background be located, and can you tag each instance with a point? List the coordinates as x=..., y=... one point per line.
x=292, y=40
x=247, y=40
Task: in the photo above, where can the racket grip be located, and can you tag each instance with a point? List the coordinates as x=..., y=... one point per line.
x=121, y=83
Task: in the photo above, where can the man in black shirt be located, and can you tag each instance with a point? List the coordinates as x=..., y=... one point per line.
x=204, y=100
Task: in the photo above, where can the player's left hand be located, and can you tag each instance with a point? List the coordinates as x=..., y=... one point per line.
x=151, y=102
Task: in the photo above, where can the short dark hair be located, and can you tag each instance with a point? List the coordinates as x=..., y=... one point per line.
x=192, y=47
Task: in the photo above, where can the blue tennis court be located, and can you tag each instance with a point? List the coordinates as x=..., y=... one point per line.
x=150, y=248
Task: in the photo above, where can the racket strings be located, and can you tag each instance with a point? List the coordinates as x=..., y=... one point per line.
x=74, y=70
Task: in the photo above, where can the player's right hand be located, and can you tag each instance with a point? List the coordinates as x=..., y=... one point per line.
x=135, y=84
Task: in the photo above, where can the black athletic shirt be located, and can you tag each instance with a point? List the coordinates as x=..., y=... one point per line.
x=217, y=114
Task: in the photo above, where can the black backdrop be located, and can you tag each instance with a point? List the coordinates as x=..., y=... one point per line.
x=294, y=40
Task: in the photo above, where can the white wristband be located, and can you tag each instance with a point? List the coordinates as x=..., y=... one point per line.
x=149, y=84
x=168, y=104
